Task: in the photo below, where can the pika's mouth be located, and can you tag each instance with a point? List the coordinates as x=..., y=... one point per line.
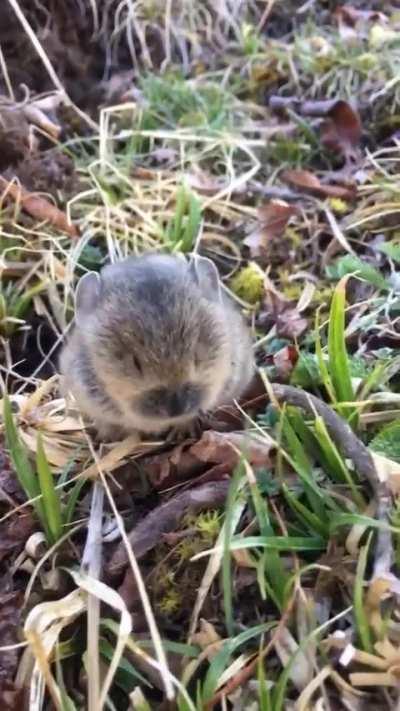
x=171, y=404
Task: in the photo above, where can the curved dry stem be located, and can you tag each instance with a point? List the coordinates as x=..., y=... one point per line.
x=353, y=449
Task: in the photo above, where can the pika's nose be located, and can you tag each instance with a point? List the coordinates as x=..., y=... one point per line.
x=170, y=401
x=182, y=400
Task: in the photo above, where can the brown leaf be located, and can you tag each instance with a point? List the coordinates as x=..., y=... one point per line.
x=273, y=218
x=168, y=468
x=352, y=16
x=341, y=131
x=289, y=323
x=310, y=183
x=203, y=182
x=285, y=359
x=225, y=448
x=354, y=24
x=254, y=399
x=39, y=207
x=216, y=453
x=280, y=312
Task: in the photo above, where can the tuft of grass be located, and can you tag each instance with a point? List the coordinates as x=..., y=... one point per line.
x=172, y=100
x=15, y=304
x=183, y=228
x=23, y=468
x=39, y=487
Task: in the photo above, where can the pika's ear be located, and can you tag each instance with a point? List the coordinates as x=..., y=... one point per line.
x=205, y=273
x=87, y=295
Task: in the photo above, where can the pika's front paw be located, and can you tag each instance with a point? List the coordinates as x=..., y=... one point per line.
x=109, y=433
x=191, y=430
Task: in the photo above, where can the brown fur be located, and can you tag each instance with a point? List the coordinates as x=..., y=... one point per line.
x=155, y=330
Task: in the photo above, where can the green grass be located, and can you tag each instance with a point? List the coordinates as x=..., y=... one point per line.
x=182, y=230
x=15, y=305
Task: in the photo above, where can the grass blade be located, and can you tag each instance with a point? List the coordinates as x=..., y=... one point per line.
x=226, y=558
x=264, y=696
x=50, y=497
x=339, y=369
x=323, y=369
x=307, y=517
x=361, y=617
x=26, y=476
x=273, y=565
x=280, y=543
x=221, y=660
x=73, y=499
x=301, y=464
x=337, y=466
x=192, y=224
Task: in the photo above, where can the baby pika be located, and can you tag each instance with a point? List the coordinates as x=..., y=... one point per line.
x=155, y=343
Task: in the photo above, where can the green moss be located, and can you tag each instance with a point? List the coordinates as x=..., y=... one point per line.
x=248, y=283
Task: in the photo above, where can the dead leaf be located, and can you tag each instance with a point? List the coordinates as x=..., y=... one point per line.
x=286, y=646
x=226, y=447
x=310, y=183
x=289, y=324
x=354, y=24
x=273, y=219
x=39, y=207
x=352, y=15
x=169, y=467
x=389, y=471
x=285, y=359
x=208, y=639
x=243, y=559
x=203, y=182
x=280, y=312
x=217, y=453
x=341, y=131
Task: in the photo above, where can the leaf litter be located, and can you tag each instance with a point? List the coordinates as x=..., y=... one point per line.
x=269, y=544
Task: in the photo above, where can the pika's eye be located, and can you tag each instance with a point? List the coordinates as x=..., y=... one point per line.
x=136, y=363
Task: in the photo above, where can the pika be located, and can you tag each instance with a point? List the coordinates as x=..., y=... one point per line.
x=155, y=344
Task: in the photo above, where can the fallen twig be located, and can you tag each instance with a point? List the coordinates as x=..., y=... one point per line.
x=15, y=269
x=304, y=108
x=165, y=518
x=38, y=207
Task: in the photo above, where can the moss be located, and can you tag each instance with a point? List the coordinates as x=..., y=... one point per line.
x=248, y=283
